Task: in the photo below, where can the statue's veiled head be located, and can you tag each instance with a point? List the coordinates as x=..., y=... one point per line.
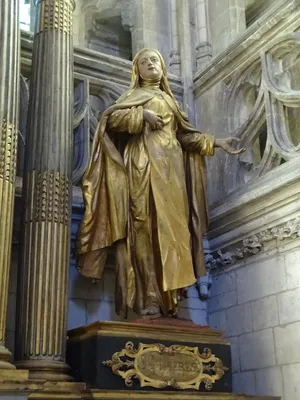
x=148, y=65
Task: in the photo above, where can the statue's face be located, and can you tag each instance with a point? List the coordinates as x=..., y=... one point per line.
x=149, y=65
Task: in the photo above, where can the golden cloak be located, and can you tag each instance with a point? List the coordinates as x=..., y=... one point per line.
x=106, y=221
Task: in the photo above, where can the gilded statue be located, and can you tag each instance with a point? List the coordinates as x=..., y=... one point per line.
x=145, y=194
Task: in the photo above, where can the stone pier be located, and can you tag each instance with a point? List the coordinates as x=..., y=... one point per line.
x=43, y=281
x=9, y=96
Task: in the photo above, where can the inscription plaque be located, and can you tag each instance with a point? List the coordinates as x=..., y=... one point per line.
x=158, y=366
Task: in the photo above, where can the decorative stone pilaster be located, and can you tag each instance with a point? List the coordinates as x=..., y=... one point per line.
x=175, y=52
x=9, y=98
x=45, y=254
x=203, y=48
x=187, y=57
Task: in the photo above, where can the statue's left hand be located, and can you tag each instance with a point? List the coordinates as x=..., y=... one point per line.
x=227, y=144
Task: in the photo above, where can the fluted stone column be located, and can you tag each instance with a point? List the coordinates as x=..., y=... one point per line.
x=43, y=281
x=9, y=99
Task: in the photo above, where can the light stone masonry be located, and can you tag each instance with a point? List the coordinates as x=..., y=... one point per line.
x=264, y=330
x=292, y=265
x=83, y=288
x=269, y=381
x=244, y=382
x=291, y=379
x=287, y=343
x=257, y=281
x=76, y=313
x=101, y=311
x=257, y=350
x=235, y=354
x=264, y=313
x=239, y=320
x=193, y=303
x=223, y=283
x=217, y=320
x=199, y=317
x=288, y=306
x=222, y=301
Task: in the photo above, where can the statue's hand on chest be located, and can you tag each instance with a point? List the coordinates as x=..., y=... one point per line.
x=155, y=121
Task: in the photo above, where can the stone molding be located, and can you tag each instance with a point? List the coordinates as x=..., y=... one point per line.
x=253, y=245
x=101, y=69
x=280, y=19
x=259, y=217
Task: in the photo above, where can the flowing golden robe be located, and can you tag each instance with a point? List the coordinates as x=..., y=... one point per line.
x=144, y=193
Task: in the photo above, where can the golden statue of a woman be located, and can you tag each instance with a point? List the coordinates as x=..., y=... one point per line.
x=145, y=194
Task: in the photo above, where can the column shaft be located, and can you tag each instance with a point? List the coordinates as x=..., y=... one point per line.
x=175, y=52
x=203, y=47
x=186, y=57
x=43, y=282
x=9, y=100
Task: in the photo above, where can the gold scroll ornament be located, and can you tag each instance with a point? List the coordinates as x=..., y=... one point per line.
x=157, y=366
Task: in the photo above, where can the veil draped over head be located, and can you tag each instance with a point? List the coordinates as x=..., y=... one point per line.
x=135, y=79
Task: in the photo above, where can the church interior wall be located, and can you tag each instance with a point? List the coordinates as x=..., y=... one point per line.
x=255, y=299
x=255, y=294
x=257, y=305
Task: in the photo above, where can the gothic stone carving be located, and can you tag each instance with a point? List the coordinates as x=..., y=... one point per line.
x=252, y=245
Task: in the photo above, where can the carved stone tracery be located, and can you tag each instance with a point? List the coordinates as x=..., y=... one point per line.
x=258, y=99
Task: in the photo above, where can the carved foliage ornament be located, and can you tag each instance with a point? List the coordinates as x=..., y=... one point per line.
x=157, y=366
x=253, y=245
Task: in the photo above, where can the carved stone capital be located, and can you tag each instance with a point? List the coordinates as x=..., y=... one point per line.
x=55, y=15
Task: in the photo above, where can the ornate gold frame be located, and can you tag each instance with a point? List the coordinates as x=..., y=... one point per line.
x=180, y=366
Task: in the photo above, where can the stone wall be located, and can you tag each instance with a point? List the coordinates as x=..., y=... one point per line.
x=257, y=305
x=249, y=89
x=253, y=240
x=90, y=302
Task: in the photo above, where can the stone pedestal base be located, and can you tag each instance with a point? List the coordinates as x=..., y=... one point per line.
x=165, y=354
x=150, y=395
x=57, y=394
x=159, y=359
x=5, y=356
x=50, y=371
x=10, y=377
x=15, y=384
